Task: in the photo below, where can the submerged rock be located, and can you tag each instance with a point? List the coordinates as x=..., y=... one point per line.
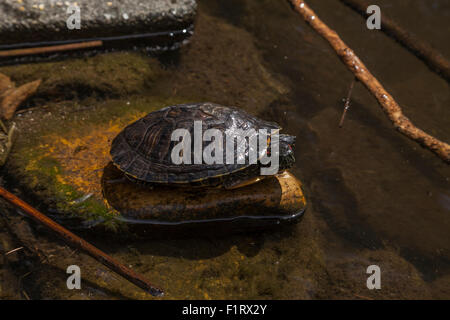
x=156, y=24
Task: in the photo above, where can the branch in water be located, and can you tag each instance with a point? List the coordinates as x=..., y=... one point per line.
x=386, y=101
x=434, y=59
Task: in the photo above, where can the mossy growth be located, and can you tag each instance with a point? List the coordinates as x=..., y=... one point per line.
x=105, y=75
x=46, y=176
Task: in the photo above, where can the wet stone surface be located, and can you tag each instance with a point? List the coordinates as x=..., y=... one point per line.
x=45, y=20
x=271, y=201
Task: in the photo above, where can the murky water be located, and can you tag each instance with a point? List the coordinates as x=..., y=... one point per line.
x=374, y=196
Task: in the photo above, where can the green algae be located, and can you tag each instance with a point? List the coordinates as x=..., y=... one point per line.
x=42, y=176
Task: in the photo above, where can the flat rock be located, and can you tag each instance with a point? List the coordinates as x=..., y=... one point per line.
x=43, y=21
x=272, y=201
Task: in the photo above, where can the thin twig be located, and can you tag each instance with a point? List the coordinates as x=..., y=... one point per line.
x=433, y=58
x=24, y=276
x=347, y=103
x=363, y=297
x=386, y=101
x=25, y=295
x=48, y=49
x=32, y=109
x=79, y=243
x=14, y=250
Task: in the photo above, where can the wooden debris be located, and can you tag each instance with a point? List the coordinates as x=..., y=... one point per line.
x=386, y=101
x=50, y=49
x=25, y=295
x=80, y=243
x=13, y=250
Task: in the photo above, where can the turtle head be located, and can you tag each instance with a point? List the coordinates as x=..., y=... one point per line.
x=287, y=145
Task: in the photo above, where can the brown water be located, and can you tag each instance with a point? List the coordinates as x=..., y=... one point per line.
x=374, y=196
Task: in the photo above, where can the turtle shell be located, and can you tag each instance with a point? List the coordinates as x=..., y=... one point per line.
x=143, y=149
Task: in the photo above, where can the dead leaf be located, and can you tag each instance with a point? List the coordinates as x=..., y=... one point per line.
x=12, y=98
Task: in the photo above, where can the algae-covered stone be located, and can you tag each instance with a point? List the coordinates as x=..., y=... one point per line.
x=45, y=21
x=107, y=75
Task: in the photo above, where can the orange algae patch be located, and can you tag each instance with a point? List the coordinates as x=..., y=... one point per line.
x=84, y=153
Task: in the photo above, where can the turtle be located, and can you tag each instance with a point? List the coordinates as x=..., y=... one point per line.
x=143, y=151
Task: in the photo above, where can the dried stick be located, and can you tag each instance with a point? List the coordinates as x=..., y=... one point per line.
x=47, y=49
x=386, y=101
x=79, y=243
x=436, y=61
x=13, y=250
